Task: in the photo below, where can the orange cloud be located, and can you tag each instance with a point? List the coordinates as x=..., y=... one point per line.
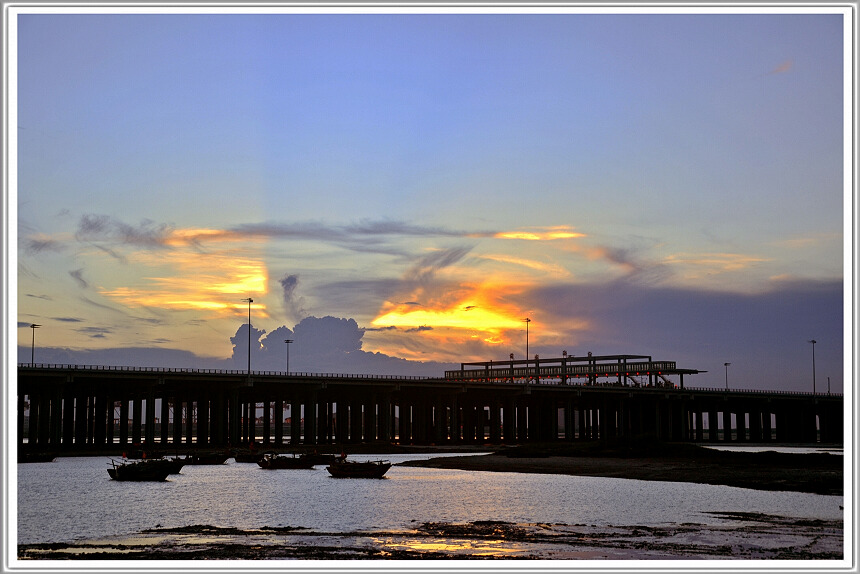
x=547, y=234
x=551, y=269
x=215, y=282
x=782, y=68
x=473, y=308
x=716, y=261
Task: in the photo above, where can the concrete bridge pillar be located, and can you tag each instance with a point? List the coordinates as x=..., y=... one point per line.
x=698, y=422
x=310, y=427
x=740, y=419
x=406, y=430
x=56, y=417
x=33, y=426
x=755, y=425
x=456, y=430
x=370, y=419
x=68, y=419
x=495, y=421
x=163, y=416
x=713, y=425
x=385, y=418
x=278, y=408
x=569, y=433
x=440, y=421
x=727, y=424
x=189, y=420
x=234, y=414
x=203, y=419
x=766, y=430
x=267, y=421
x=136, y=418
x=150, y=418
x=523, y=420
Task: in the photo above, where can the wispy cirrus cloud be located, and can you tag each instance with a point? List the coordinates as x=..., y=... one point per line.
x=78, y=276
x=806, y=241
x=552, y=269
x=715, y=261
x=40, y=243
x=782, y=68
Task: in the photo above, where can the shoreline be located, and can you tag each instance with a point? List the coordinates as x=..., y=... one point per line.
x=791, y=472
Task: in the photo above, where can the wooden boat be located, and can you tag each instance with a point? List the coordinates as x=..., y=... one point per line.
x=274, y=461
x=35, y=457
x=207, y=458
x=151, y=469
x=247, y=456
x=342, y=468
x=175, y=464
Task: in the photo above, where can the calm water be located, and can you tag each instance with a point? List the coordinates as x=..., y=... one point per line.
x=74, y=499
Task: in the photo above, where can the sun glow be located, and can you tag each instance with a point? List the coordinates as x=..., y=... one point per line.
x=476, y=310
x=548, y=234
x=211, y=282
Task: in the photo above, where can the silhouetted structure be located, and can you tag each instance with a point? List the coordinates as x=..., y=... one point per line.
x=78, y=408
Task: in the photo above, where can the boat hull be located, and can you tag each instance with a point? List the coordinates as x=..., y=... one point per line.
x=154, y=470
x=207, y=458
x=358, y=469
x=285, y=462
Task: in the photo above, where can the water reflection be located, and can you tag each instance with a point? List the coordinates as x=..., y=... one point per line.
x=497, y=548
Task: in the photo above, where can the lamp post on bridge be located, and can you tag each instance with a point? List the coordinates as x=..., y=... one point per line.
x=288, y=341
x=33, y=326
x=249, y=301
x=527, y=321
x=813, y=341
x=727, y=374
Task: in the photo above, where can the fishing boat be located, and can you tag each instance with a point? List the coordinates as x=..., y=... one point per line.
x=175, y=464
x=342, y=468
x=149, y=469
x=247, y=456
x=36, y=456
x=274, y=461
x=207, y=458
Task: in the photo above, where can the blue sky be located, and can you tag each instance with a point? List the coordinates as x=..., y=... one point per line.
x=634, y=183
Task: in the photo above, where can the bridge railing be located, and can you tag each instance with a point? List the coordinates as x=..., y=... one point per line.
x=594, y=369
x=188, y=370
x=760, y=391
x=526, y=377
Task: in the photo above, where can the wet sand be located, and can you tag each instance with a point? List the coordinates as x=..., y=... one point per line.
x=747, y=536
x=799, y=473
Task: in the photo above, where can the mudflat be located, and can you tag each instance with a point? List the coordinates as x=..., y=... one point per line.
x=818, y=473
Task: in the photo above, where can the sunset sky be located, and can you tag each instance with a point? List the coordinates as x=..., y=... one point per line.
x=662, y=184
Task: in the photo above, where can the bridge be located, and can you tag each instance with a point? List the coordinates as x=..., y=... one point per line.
x=77, y=408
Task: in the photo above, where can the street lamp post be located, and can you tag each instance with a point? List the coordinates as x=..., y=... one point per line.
x=33, y=326
x=727, y=374
x=813, y=341
x=288, y=341
x=527, y=320
x=249, y=301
